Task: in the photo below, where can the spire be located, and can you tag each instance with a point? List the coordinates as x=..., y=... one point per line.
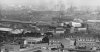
x=61, y=9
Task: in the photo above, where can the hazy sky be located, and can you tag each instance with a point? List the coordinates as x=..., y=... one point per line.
x=51, y=3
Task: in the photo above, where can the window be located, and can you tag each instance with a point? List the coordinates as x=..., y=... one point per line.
x=29, y=42
x=88, y=43
x=90, y=39
x=87, y=39
x=33, y=42
x=80, y=39
x=83, y=39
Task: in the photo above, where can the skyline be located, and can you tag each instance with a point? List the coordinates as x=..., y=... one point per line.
x=50, y=3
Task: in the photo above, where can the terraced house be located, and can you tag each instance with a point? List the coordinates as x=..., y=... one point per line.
x=89, y=42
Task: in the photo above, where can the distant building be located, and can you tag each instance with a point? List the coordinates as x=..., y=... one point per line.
x=78, y=20
x=10, y=48
x=52, y=31
x=61, y=24
x=68, y=43
x=75, y=24
x=93, y=20
x=31, y=40
x=60, y=30
x=72, y=30
x=5, y=29
x=93, y=25
x=35, y=42
x=81, y=30
x=28, y=39
x=16, y=31
x=77, y=27
x=66, y=23
x=54, y=43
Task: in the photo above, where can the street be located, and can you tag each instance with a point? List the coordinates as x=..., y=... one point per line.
x=41, y=50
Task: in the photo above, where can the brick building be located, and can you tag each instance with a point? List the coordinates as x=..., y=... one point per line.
x=87, y=42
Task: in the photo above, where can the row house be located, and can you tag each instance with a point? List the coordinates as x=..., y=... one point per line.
x=87, y=42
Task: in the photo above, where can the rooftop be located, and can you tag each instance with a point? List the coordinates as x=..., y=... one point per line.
x=93, y=20
x=16, y=21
